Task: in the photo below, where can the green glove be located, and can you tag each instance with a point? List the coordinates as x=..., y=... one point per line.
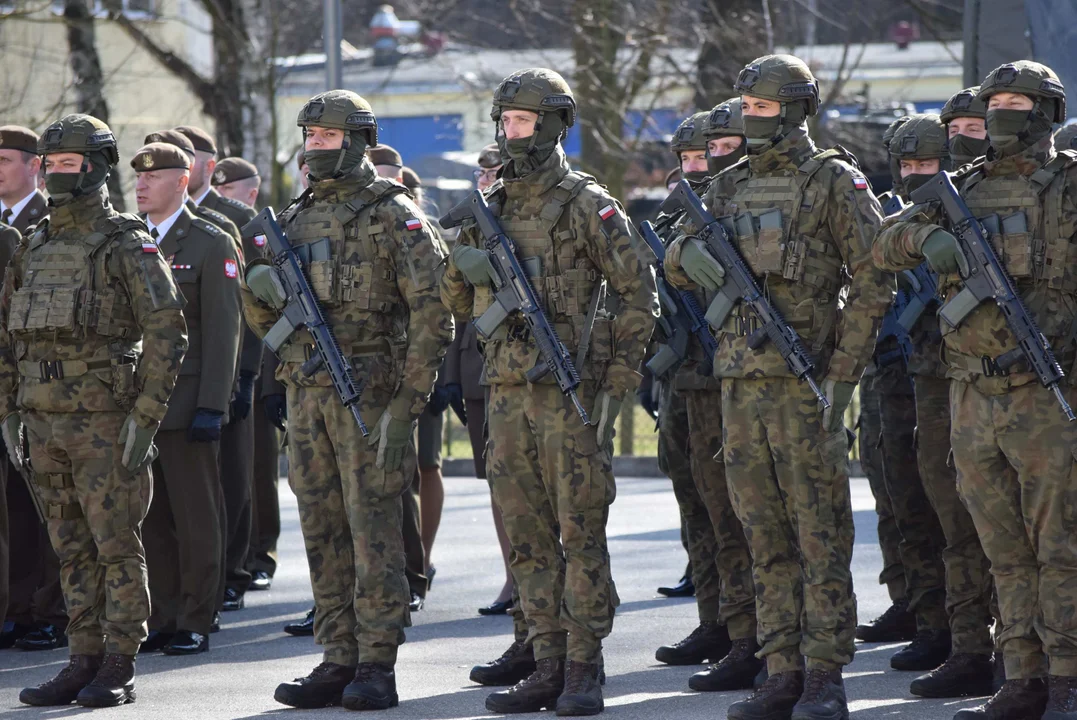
x=137, y=442
x=943, y=253
x=700, y=265
x=12, y=429
x=839, y=394
x=265, y=283
x=391, y=436
x=475, y=265
x=607, y=407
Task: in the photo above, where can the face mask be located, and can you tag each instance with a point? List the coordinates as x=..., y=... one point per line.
x=965, y=149
x=717, y=164
x=696, y=176
x=1003, y=127
x=323, y=164
x=759, y=131
x=912, y=182
x=61, y=186
x=530, y=152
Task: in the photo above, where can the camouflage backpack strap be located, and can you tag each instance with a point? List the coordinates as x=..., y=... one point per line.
x=571, y=185
x=378, y=191
x=296, y=205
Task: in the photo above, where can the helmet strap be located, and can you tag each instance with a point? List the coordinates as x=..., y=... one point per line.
x=344, y=145
x=85, y=168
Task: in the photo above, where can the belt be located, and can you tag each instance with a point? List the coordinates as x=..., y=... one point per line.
x=983, y=364
x=48, y=370
x=301, y=352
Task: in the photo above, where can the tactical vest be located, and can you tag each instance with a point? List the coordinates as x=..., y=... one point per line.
x=782, y=250
x=350, y=271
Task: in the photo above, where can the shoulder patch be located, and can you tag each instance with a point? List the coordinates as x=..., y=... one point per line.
x=859, y=181
x=607, y=212
x=231, y=268
x=413, y=223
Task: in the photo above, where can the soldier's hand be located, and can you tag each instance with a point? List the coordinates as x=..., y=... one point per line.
x=12, y=429
x=456, y=401
x=839, y=394
x=137, y=443
x=701, y=266
x=206, y=426
x=607, y=408
x=943, y=253
x=276, y=407
x=244, y=397
x=475, y=265
x=392, y=437
x=264, y=281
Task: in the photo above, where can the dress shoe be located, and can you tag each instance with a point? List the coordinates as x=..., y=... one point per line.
x=45, y=637
x=583, y=692
x=962, y=675
x=430, y=573
x=233, y=600
x=927, y=651
x=186, y=642
x=373, y=688
x=66, y=686
x=897, y=624
x=417, y=602
x=498, y=607
x=709, y=641
x=215, y=626
x=156, y=641
x=114, y=684
x=539, y=691
x=260, y=580
x=514, y=665
x=303, y=628
x=736, y=671
x=823, y=698
x=12, y=632
x=774, y=699
x=323, y=687
x=1062, y=698
x=684, y=588
x=1017, y=700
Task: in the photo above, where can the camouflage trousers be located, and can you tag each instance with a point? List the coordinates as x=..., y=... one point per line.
x=870, y=426
x=1016, y=472
x=554, y=486
x=95, y=509
x=734, y=560
x=350, y=514
x=790, y=490
x=918, y=527
x=968, y=573
x=675, y=460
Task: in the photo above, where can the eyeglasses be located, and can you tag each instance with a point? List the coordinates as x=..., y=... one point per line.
x=489, y=174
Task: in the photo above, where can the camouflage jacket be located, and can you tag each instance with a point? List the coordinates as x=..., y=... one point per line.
x=805, y=225
x=1042, y=260
x=594, y=243
x=91, y=318
x=378, y=286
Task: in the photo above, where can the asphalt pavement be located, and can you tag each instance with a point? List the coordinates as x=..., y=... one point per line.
x=251, y=654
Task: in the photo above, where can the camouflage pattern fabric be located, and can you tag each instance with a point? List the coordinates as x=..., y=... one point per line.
x=95, y=505
x=675, y=460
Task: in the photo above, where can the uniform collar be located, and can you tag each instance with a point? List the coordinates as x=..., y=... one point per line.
x=165, y=225
x=1025, y=162
x=545, y=177
x=202, y=198
x=18, y=207
x=76, y=213
x=790, y=152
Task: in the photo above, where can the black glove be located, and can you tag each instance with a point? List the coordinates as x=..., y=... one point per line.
x=439, y=400
x=276, y=409
x=456, y=401
x=206, y=426
x=646, y=400
x=243, y=397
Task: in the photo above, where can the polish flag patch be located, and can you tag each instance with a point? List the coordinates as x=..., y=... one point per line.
x=231, y=270
x=414, y=223
x=149, y=247
x=607, y=212
x=260, y=240
x=860, y=182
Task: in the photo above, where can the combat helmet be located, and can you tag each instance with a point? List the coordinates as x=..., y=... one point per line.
x=920, y=137
x=965, y=103
x=689, y=134
x=783, y=78
x=536, y=89
x=1033, y=79
x=90, y=138
x=723, y=120
x=343, y=110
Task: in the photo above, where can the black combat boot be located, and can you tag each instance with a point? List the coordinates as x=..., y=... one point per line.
x=323, y=687
x=773, y=700
x=1062, y=698
x=823, y=698
x=582, y=694
x=66, y=686
x=539, y=691
x=709, y=641
x=114, y=684
x=927, y=651
x=374, y=688
x=897, y=624
x=1017, y=700
x=963, y=675
x=514, y=665
x=736, y=671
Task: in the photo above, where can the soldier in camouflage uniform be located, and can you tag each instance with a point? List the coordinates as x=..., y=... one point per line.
x=964, y=115
x=91, y=342
x=920, y=149
x=805, y=221
x=710, y=640
x=372, y=260
x=1012, y=446
x=551, y=475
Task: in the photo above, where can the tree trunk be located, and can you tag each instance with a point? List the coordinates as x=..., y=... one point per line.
x=732, y=38
x=89, y=80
